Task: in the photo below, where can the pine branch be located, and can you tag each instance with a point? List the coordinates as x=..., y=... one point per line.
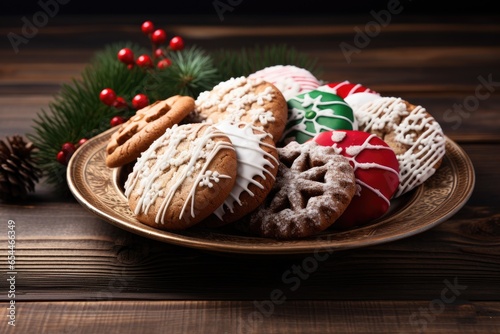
x=243, y=62
x=192, y=72
x=76, y=111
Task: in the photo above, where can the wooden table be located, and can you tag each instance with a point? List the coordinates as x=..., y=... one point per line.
x=79, y=274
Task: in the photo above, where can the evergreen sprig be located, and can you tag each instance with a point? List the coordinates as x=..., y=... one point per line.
x=192, y=72
x=76, y=112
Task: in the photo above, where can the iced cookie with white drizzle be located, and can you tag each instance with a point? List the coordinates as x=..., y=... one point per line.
x=376, y=169
x=410, y=130
x=314, y=112
x=182, y=177
x=242, y=99
x=289, y=79
x=258, y=163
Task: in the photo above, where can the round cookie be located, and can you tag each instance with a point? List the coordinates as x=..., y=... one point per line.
x=313, y=187
x=258, y=162
x=345, y=88
x=249, y=100
x=182, y=177
x=138, y=132
x=314, y=112
x=415, y=136
x=289, y=79
x=376, y=169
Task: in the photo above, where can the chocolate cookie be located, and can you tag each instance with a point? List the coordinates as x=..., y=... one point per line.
x=182, y=177
x=313, y=187
x=138, y=132
x=241, y=99
x=414, y=135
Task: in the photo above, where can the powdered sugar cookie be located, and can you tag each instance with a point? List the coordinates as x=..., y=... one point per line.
x=182, y=177
x=376, y=169
x=313, y=187
x=289, y=79
x=257, y=159
x=249, y=100
x=414, y=135
x=314, y=112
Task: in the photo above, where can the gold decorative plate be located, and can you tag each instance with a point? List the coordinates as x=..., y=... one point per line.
x=99, y=189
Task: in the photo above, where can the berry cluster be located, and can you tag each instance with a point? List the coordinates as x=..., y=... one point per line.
x=157, y=60
x=67, y=150
x=159, y=56
x=109, y=98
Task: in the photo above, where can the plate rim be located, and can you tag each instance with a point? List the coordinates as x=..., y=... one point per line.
x=270, y=246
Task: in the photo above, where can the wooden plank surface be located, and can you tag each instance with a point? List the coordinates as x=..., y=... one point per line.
x=78, y=274
x=231, y=317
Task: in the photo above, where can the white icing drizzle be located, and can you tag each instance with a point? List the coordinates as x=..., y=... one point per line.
x=417, y=130
x=252, y=160
x=196, y=158
x=320, y=108
x=354, y=150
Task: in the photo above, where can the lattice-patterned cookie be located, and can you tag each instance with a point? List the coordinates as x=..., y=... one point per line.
x=313, y=187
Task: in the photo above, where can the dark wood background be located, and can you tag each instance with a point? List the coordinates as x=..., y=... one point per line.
x=78, y=274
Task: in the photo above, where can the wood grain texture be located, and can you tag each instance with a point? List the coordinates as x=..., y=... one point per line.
x=252, y=317
x=78, y=274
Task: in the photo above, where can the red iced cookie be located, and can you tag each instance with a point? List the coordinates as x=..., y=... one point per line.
x=345, y=88
x=376, y=169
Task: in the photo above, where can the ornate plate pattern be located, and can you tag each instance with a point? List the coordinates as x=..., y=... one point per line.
x=99, y=189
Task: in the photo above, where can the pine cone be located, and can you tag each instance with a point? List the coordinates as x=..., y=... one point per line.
x=18, y=173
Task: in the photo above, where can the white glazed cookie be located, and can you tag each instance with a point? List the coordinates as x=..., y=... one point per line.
x=414, y=135
x=249, y=100
x=258, y=162
x=182, y=177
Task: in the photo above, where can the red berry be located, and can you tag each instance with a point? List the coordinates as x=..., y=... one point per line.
x=117, y=120
x=107, y=96
x=140, y=101
x=62, y=158
x=130, y=66
x=144, y=61
x=159, y=53
x=81, y=142
x=147, y=27
x=164, y=63
x=68, y=148
x=159, y=36
x=177, y=43
x=126, y=56
x=120, y=103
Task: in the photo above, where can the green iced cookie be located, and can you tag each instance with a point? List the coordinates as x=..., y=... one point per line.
x=314, y=112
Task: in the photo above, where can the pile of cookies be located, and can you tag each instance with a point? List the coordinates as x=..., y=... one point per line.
x=278, y=154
